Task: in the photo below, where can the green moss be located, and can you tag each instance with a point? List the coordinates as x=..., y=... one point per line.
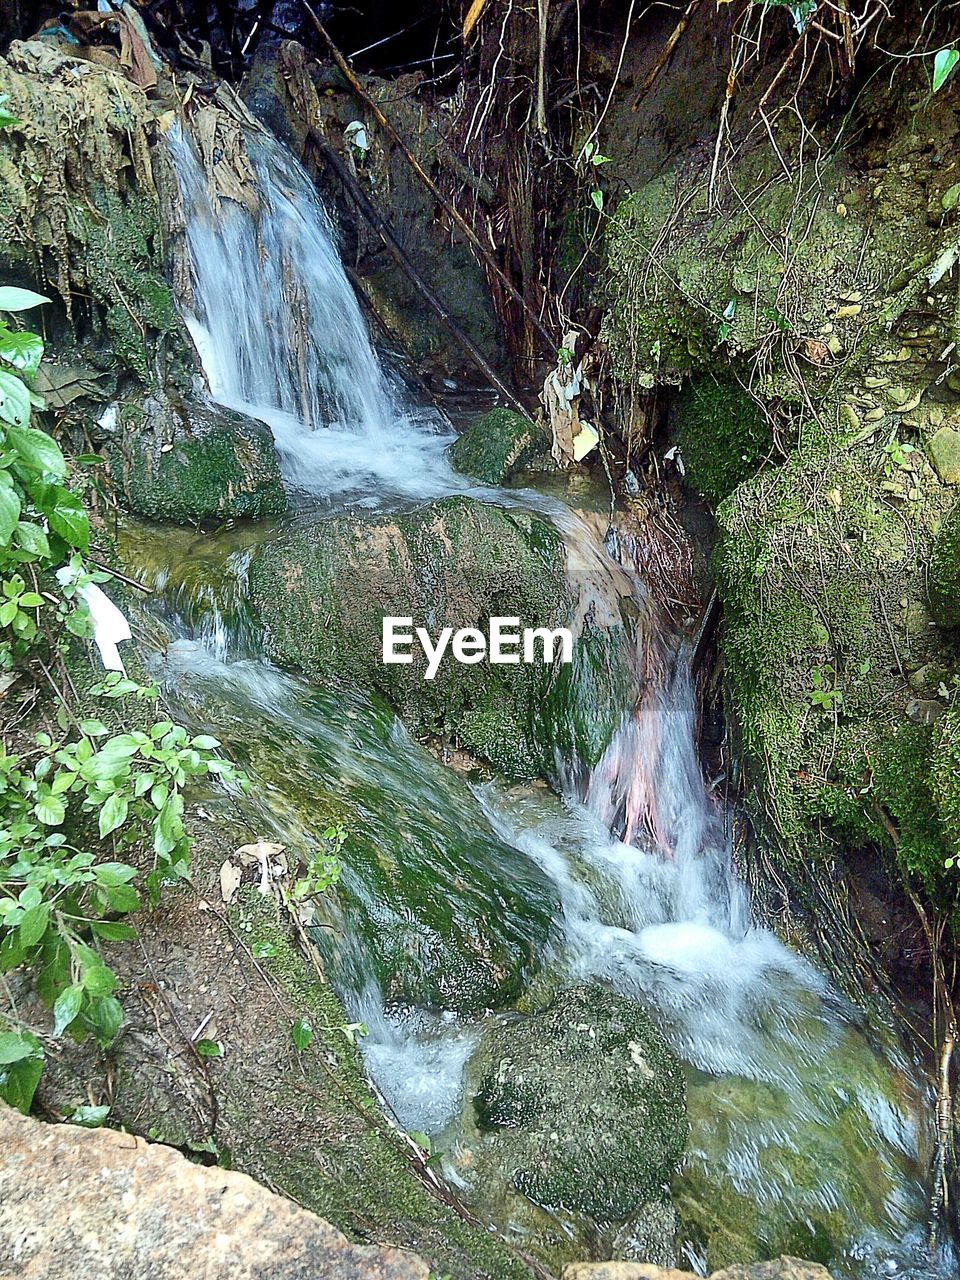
x=579, y=1109
x=497, y=445
x=323, y=594
x=945, y=778
x=209, y=464
x=821, y=595
x=721, y=433
x=943, y=589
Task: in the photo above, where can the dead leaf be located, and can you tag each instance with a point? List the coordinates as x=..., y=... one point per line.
x=230, y=877
x=473, y=17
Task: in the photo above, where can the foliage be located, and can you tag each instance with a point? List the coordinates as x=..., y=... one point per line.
x=75, y=807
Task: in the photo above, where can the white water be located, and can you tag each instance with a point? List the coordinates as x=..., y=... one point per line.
x=660, y=915
x=281, y=336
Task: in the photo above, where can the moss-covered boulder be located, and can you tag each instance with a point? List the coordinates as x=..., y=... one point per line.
x=498, y=445
x=578, y=1111
x=187, y=462
x=324, y=591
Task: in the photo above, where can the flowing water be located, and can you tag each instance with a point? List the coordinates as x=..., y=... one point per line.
x=803, y=1119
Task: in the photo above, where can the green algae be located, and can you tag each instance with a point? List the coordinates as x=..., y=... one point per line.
x=497, y=446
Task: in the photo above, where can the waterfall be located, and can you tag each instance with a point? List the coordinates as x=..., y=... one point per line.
x=282, y=338
x=781, y=1074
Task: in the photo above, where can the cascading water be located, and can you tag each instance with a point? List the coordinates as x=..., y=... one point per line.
x=793, y=1110
x=281, y=336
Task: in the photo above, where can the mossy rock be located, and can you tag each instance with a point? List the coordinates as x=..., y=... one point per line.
x=190, y=462
x=580, y=1110
x=943, y=588
x=721, y=434
x=323, y=593
x=823, y=583
x=498, y=445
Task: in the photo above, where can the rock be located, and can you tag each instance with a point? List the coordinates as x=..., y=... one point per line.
x=498, y=445
x=779, y=1269
x=94, y=1202
x=323, y=593
x=186, y=461
x=924, y=711
x=943, y=449
x=943, y=582
x=580, y=1110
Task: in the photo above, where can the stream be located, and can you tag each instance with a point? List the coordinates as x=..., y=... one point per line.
x=805, y=1120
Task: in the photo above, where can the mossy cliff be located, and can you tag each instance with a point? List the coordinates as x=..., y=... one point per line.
x=323, y=593
x=810, y=323
x=86, y=195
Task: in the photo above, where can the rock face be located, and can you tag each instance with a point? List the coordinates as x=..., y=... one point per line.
x=579, y=1111
x=323, y=593
x=81, y=1202
x=779, y=1269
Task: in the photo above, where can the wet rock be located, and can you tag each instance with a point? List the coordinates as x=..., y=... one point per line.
x=323, y=593
x=498, y=445
x=82, y=1202
x=580, y=1111
x=944, y=452
x=779, y=1269
x=186, y=461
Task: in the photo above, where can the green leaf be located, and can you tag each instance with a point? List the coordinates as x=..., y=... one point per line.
x=13, y=299
x=32, y=539
x=943, y=64
x=50, y=810
x=111, y=874
x=113, y=930
x=20, y=1083
x=88, y=1117
x=9, y=507
x=209, y=1049
x=302, y=1033
x=23, y=350
x=38, y=451
x=33, y=924
x=65, y=512
x=66, y=1007
x=597, y=198
x=14, y=1047
x=104, y=1017
x=113, y=814
x=14, y=399
x=204, y=742
x=98, y=980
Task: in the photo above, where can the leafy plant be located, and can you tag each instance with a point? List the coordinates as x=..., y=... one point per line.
x=75, y=807
x=822, y=694
x=324, y=868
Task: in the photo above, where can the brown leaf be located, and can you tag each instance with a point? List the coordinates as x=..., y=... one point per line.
x=229, y=881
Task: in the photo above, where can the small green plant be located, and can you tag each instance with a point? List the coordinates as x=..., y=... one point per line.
x=822, y=694
x=323, y=870
x=943, y=64
x=898, y=457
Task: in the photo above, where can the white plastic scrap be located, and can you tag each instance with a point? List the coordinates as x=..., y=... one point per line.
x=356, y=135
x=110, y=627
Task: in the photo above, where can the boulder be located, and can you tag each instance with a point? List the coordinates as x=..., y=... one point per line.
x=498, y=445
x=579, y=1111
x=944, y=451
x=93, y=1202
x=323, y=593
x=187, y=461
